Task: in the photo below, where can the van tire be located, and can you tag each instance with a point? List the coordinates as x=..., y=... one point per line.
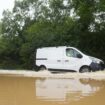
x=84, y=69
x=36, y=68
x=42, y=68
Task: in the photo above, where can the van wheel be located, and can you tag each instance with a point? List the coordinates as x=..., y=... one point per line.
x=85, y=69
x=42, y=68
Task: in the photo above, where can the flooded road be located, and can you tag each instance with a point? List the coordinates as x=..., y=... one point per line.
x=15, y=90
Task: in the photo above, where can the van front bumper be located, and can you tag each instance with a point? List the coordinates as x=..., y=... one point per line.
x=97, y=66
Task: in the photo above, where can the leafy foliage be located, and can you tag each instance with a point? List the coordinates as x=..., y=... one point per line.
x=39, y=23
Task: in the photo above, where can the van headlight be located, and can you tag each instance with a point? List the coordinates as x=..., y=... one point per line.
x=95, y=60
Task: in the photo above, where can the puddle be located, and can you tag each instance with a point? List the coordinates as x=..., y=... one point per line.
x=51, y=91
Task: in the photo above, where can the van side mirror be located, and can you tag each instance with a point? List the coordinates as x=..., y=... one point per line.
x=79, y=56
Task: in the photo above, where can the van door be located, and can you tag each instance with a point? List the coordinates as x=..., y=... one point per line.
x=72, y=59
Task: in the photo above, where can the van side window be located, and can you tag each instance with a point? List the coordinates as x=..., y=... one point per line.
x=71, y=53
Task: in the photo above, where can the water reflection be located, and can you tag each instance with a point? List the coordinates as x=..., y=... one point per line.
x=47, y=91
x=66, y=89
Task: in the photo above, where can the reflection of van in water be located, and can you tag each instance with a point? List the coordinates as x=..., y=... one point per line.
x=66, y=89
x=66, y=58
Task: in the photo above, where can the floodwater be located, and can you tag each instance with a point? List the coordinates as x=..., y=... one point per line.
x=16, y=90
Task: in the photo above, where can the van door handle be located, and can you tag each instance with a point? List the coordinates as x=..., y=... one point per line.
x=58, y=60
x=66, y=60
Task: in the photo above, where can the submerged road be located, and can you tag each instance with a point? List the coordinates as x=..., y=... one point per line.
x=99, y=75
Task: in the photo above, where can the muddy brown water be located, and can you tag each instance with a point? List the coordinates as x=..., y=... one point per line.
x=51, y=91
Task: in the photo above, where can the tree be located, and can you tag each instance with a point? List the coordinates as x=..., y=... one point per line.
x=40, y=23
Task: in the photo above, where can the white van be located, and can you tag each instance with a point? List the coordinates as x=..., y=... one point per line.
x=65, y=58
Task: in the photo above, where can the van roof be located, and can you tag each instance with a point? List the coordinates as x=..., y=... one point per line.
x=54, y=47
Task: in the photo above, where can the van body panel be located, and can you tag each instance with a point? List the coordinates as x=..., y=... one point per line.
x=53, y=57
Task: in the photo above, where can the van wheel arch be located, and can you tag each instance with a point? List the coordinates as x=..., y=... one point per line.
x=82, y=69
x=42, y=67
